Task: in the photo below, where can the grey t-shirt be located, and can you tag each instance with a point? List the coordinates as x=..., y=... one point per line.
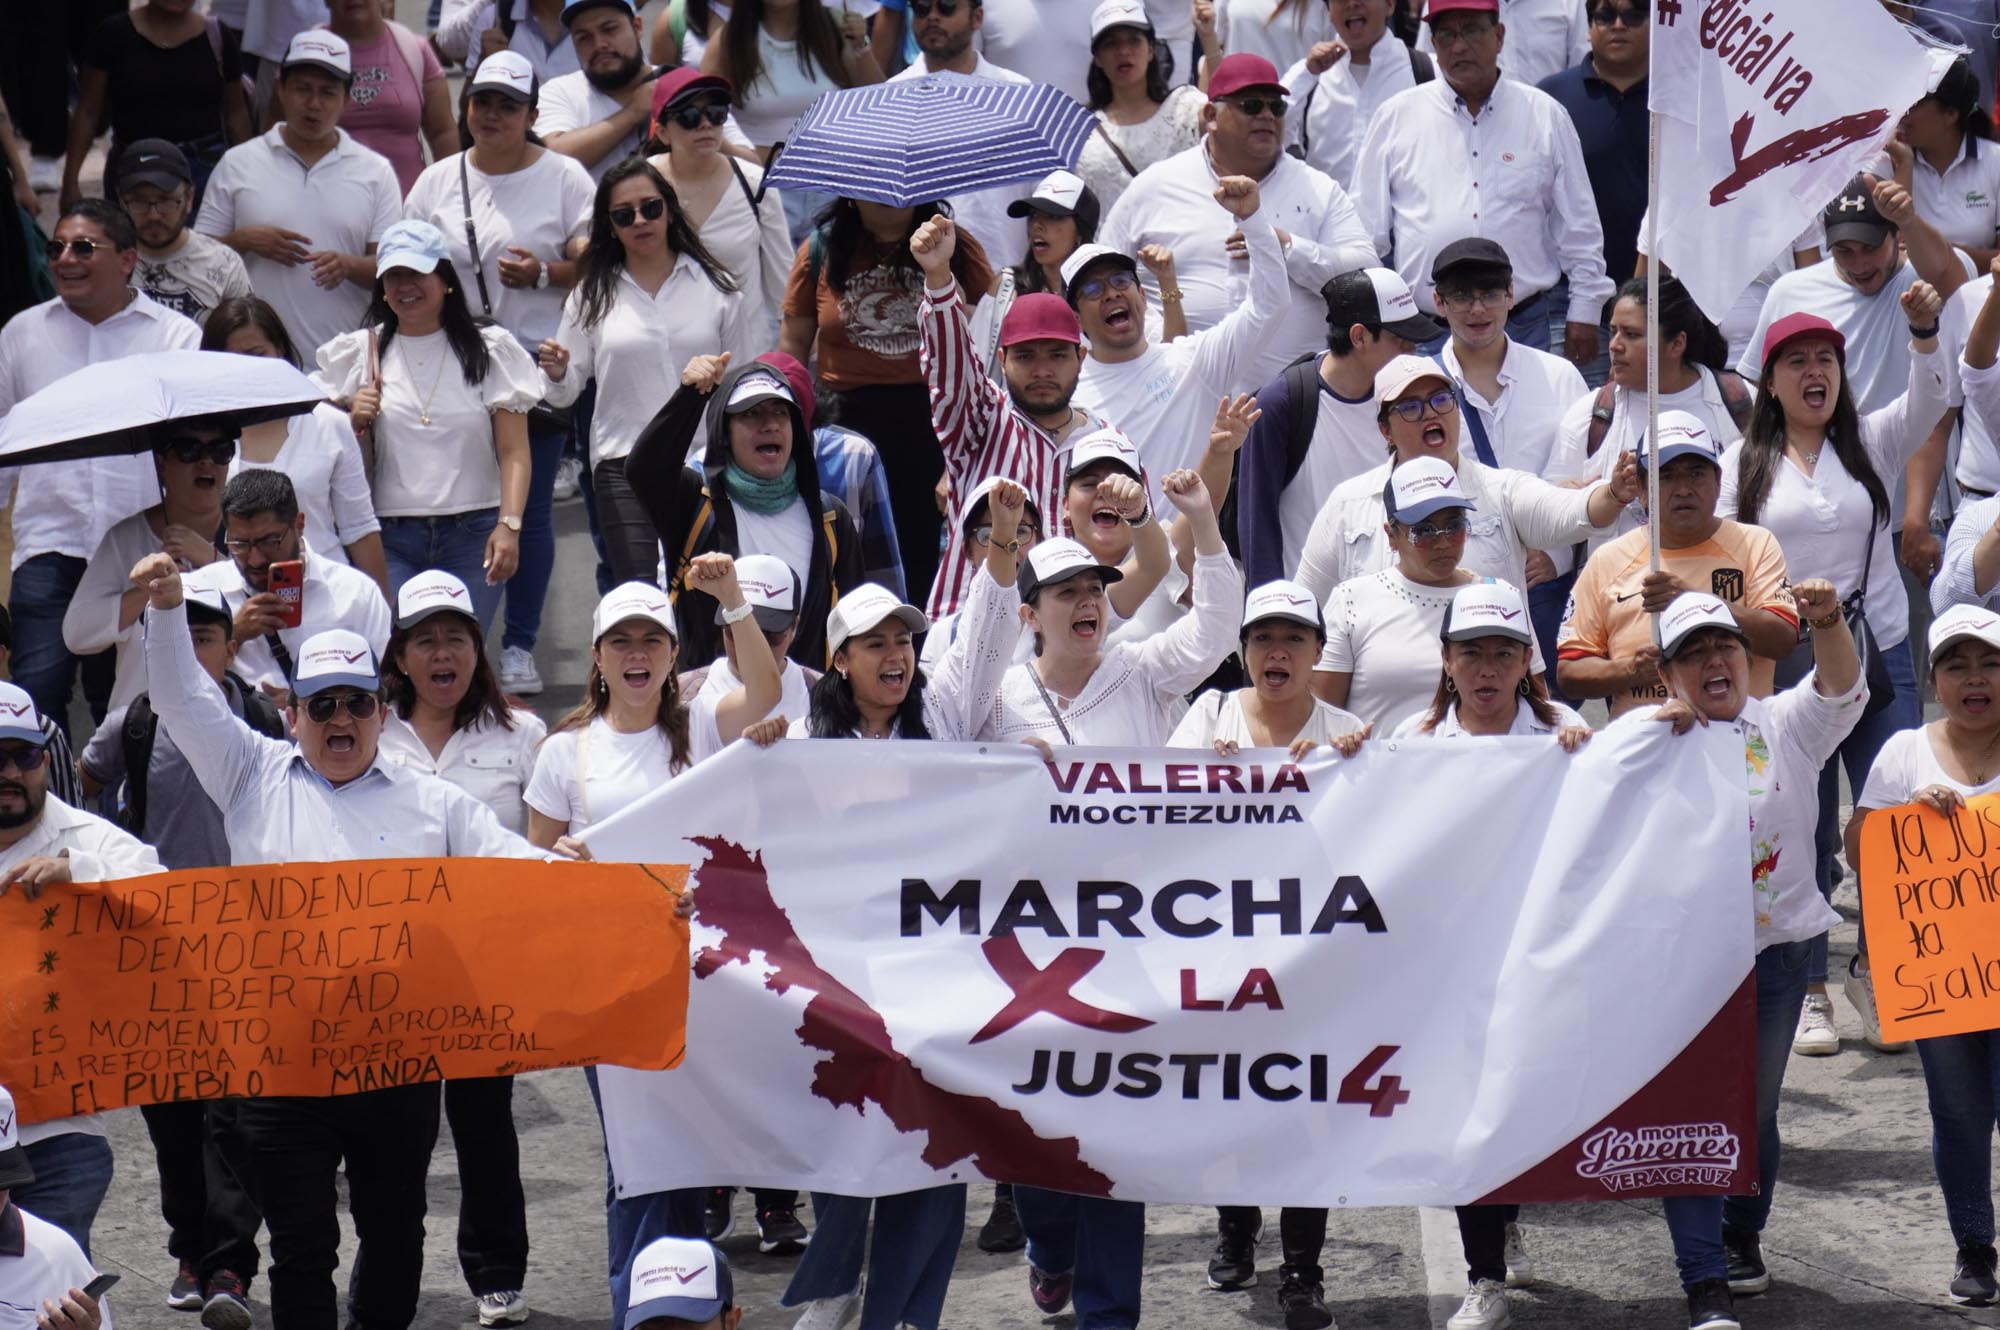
x=195, y=278
x=182, y=823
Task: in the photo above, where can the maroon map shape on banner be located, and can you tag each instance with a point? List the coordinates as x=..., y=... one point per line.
x=864, y=1065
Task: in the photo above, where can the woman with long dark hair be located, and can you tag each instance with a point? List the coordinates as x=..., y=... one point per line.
x=1817, y=474
x=1955, y=164
x=1143, y=117
x=447, y=403
x=649, y=298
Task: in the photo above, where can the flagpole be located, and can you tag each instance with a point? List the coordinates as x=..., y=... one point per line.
x=1653, y=336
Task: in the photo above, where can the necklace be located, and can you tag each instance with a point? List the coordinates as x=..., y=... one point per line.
x=1978, y=775
x=424, y=411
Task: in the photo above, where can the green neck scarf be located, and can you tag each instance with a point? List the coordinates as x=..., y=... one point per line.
x=762, y=496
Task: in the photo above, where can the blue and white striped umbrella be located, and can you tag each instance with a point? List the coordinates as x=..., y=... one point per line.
x=917, y=140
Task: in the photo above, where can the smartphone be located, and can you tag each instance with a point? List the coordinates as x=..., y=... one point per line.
x=100, y=1286
x=287, y=581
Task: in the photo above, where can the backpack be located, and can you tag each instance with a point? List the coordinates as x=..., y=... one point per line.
x=1301, y=380
x=1422, y=68
x=142, y=728
x=704, y=524
x=1737, y=399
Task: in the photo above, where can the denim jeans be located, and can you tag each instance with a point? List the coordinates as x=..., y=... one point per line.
x=1546, y=605
x=1962, y=1074
x=631, y=1222
x=909, y=1263
x=1529, y=324
x=72, y=1174
x=1101, y=1241
x=455, y=543
x=529, y=586
x=42, y=663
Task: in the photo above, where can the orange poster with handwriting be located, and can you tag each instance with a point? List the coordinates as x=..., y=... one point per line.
x=324, y=979
x=1930, y=898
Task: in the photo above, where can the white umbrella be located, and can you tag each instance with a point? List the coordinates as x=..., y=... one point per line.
x=108, y=409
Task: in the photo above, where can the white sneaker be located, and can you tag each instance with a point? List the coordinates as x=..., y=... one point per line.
x=1484, y=1308
x=1816, y=1037
x=567, y=486
x=1520, y=1265
x=518, y=674
x=508, y=1308
x=828, y=1313
x=45, y=173
x=1860, y=992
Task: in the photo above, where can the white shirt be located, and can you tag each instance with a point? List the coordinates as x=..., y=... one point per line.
x=1877, y=332
x=1572, y=460
x=583, y=776
x=66, y=507
x=323, y=461
x=1217, y=716
x=464, y=22
x=1977, y=465
x=1544, y=37
x=637, y=351
x=1536, y=390
x=1907, y=763
x=786, y=534
x=334, y=596
x=573, y=102
x=1429, y=174
x=276, y=808
x=1525, y=722
x=720, y=680
x=1382, y=631
x=984, y=212
x=270, y=25
x=1173, y=203
x=90, y=624
x=49, y=1266
x=767, y=107
x=755, y=246
x=1347, y=442
x=539, y=208
x=1173, y=127
x=1330, y=114
x=1254, y=27
x=1963, y=200
x=343, y=201
x=1954, y=582
x=489, y=763
x=1045, y=40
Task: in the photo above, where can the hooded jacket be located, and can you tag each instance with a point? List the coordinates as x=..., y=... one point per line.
x=675, y=493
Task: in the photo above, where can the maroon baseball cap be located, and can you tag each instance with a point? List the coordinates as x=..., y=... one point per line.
x=687, y=81
x=798, y=376
x=1799, y=327
x=1242, y=72
x=1040, y=317
x=1438, y=7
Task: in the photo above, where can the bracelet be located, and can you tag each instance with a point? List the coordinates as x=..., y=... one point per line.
x=1923, y=334
x=1172, y=297
x=1012, y=547
x=1145, y=516
x=739, y=614
x=1822, y=625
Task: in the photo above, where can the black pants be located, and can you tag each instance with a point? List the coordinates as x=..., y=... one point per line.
x=294, y=1149
x=211, y=1220
x=492, y=1212
x=1482, y=1229
x=897, y=420
x=631, y=545
x=1301, y=1235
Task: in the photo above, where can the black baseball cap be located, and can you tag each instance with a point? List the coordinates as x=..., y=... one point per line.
x=1854, y=216
x=1377, y=298
x=153, y=162
x=1473, y=261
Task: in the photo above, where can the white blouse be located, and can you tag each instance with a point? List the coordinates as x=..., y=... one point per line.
x=489, y=763
x=1283, y=39
x=1524, y=723
x=1174, y=127
x=1218, y=715
x=754, y=246
x=323, y=460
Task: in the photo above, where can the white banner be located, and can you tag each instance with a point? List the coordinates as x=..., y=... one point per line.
x=1767, y=108
x=1445, y=970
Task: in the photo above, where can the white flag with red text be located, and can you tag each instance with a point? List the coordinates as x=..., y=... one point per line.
x=1767, y=108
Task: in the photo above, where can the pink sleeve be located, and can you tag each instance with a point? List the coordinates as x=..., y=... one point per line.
x=433, y=68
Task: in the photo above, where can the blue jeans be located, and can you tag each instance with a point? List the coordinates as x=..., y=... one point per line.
x=529, y=586
x=631, y=1222
x=1529, y=323
x=909, y=1265
x=42, y=664
x=1857, y=753
x=802, y=210
x=1546, y=604
x=72, y=1174
x=1101, y=1241
x=455, y=543
x=1962, y=1074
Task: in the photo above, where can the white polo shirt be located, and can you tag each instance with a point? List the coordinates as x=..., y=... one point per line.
x=1544, y=37
x=574, y=102
x=66, y=507
x=39, y=1263
x=1429, y=174
x=1330, y=114
x=1045, y=40
x=335, y=596
x=984, y=212
x=1963, y=200
x=343, y=202
x=1536, y=390
x=488, y=762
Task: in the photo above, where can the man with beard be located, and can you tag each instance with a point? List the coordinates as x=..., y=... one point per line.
x=600, y=114
x=44, y=841
x=1023, y=433
x=179, y=268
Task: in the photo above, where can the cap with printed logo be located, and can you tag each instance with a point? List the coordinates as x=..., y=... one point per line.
x=863, y=609
x=771, y=588
x=1963, y=623
x=1473, y=261
x=678, y=1279
x=433, y=591
x=1688, y=614
x=1800, y=327
x=1681, y=435
x=1084, y=257
x=1040, y=316
x=1438, y=8
x=204, y=599
x=575, y=7
x=686, y=83
x=761, y=384
x=411, y=244
x=1058, y=560
x=976, y=507
x=633, y=600
x=1376, y=298
x=1062, y=194
x=1396, y=378
x=1244, y=72
x=336, y=658
x=1854, y=216
x=1119, y=14
x=1105, y=445
x=320, y=49
x=18, y=717
x=154, y=162
x=15, y=1170
x=1422, y=486
x=507, y=73
x=1487, y=609
x=1283, y=600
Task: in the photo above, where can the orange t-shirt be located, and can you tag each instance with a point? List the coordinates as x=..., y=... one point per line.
x=869, y=333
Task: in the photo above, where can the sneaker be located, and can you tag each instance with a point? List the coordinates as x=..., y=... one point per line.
x=1711, y=1308
x=1860, y=992
x=1972, y=1282
x=1002, y=1230
x=45, y=173
x=518, y=674
x=1303, y=1304
x=1816, y=1037
x=1484, y=1308
x=508, y=1308
x=1234, y=1265
x=568, y=484
x=228, y=1304
x=184, y=1294
x=1745, y=1254
x=1050, y=1292
x=779, y=1232
x=829, y=1313
x=1520, y=1266
x=718, y=1218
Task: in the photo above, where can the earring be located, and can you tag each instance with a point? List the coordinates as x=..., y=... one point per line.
x=1523, y=690
x=842, y=673
x=603, y=688
x=1449, y=686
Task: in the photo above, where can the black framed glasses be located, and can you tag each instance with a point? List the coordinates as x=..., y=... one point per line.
x=321, y=706
x=82, y=249
x=1426, y=534
x=1027, y=533
x=1492, y=297
x=1607, y=17
x=691, y=117
x=163, y=206
x=271, y=546
x=1097, y=286
x=925, y=8
x=1254, y=106
x=1440, y=403
x=23, y=757
x=651, y=209
x=185, y=448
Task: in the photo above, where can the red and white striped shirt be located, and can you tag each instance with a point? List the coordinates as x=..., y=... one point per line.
x=983, y=434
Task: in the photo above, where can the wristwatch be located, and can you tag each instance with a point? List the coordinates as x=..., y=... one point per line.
x=739, y=614
x=541, y=276
x=511, y=522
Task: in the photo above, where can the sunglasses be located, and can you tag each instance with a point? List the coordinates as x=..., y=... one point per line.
x=82, y=249
x=1628, y=18
x=651, y=209
x=1254, y=106
x=1425, y=534
x=925, y=8
x=321, y=706
x=189, y=450
x=1097, y=286
x=691, y=117
x=23, y=757
x=1441, y=403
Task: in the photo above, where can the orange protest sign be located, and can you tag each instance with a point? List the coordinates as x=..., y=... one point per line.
x=1931, y=905
x=324, y=979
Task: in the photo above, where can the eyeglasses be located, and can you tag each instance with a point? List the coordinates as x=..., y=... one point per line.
x=1097, y=286
x=321, y=706
x=1445, y=38
x=23, y=757
x=650, y=209
x=1425, y=534
x=1440, y=403
x=83, y=249
x=1627, y=18
x=270, y=546
x=1255, y=106
x=189, y=450
x=1027, y=533
x=1490, y=297
x=925, y=8
x=159, y=207
x=691, y=117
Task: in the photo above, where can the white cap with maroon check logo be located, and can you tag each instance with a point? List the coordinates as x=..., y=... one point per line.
x=1487, y=609
x=1283, y=600
x=680, y=1279
x=432, y=591
x=1963, y=623
x=18, y=717
x=15, y=1170
x=335, y=658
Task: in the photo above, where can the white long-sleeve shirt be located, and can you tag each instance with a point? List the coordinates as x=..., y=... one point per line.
x=1330, y=113
x=1536, y=390
x=1172, y=203
x=335, y=595
x=464, y=22
x=1430, y=173
x=1544, y=37
x=1954, y=584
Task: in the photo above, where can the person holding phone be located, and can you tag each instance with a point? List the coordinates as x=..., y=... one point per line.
x=40, y=1265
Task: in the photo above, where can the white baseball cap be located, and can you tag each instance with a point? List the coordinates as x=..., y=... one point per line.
x=679, y=1279
x=984, y=488
x=15, y=1170
x=762, y=384
x=1681, y=434
x=335, y=658
x=1487, y=609
x=322, y=50
x=1059, y=194
x=505, y=72
x=1118, y=14
x=1084, y=255
x=1963, y=623
x=771, y=588
x=1107, y=444
x=1058, y=560
x=1690, y=612
x=18, y=717
x=861, y=609
x=433, y=591
x=1421, y=486
x=1283, y=600
x=633, y=600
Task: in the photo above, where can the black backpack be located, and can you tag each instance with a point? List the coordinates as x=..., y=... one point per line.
x=1422, y=67
x=1301, y=380
x=142, y=728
